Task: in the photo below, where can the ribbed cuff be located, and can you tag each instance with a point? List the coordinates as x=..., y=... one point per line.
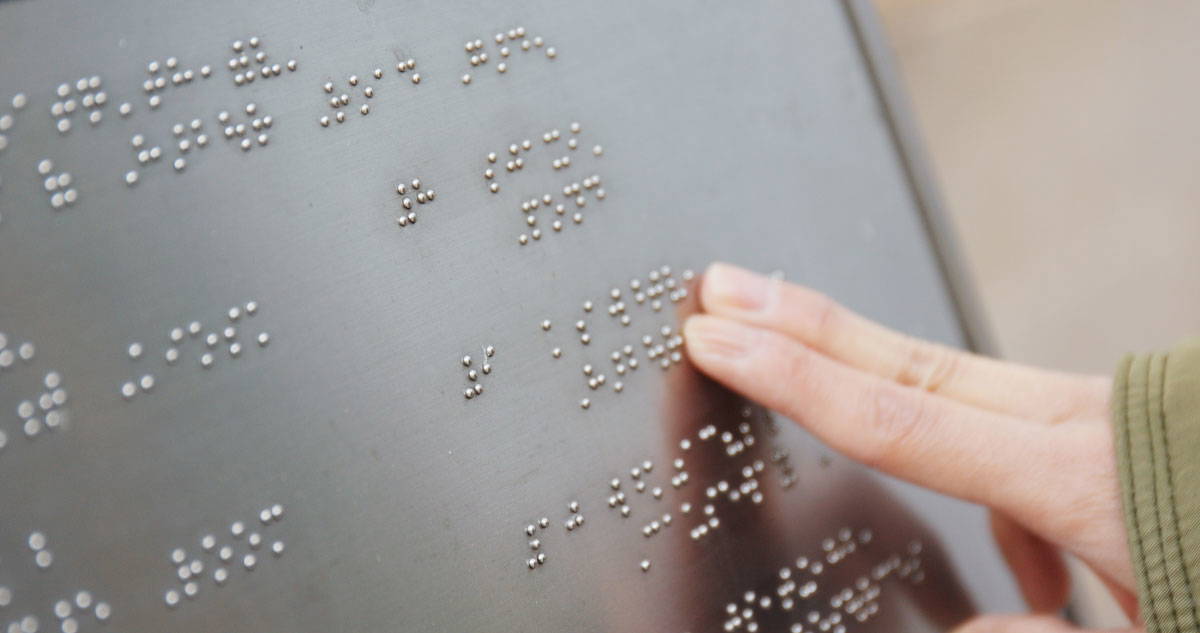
x=1156, y=418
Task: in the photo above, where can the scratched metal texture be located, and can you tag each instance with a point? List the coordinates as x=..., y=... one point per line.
x=742, y=132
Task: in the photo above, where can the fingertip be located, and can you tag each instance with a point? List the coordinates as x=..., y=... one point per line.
x=728, y=287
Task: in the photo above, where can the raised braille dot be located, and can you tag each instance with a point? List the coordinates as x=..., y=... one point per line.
x=83, y=600
x=44, y=559
x=585, y=403
x=556, y=352
x=225, y=553
x=171, y=597
x=191, y=589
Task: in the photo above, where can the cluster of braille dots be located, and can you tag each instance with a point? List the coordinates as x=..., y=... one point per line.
x=246, y=53
x=40, y=546
x=574, y=193
x=661, y=282
x=748, y=488
x=7, y=120
x=639, y=475
x=859, y=601
x=477, y=56
x=193, y=330
x=342, y=100
x=407, y=214
x=188, y=136
x=9, y=355
x=191, y=573
x=516, y=161
x=473, y=377
x=69, y=611
x=46, y=412
x=59, y=191
x=781, y=459
x=27, y=624
x=640, y=481
x=162, y=76
x=144, y=156
x=87, y=97
x=241, y=133
x=49, y=401
x=573, y=522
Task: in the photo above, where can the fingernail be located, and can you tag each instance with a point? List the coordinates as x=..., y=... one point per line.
x=736, y=287
x=713, y=337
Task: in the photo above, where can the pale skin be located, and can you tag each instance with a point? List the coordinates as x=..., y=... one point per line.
x=1033, y=446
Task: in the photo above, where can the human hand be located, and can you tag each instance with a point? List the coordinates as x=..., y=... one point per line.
x=1034, y=446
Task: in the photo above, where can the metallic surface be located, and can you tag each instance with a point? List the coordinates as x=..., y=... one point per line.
x=750, y=135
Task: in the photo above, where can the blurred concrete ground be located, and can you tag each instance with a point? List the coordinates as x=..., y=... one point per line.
x=1066, y=139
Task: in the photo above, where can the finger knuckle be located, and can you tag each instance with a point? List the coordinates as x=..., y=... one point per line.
x=893, y=419
x=927, y=366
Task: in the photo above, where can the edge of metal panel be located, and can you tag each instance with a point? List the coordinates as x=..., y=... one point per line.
x=922, y=181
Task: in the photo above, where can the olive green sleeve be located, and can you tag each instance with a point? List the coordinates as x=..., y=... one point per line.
x=1156, y=418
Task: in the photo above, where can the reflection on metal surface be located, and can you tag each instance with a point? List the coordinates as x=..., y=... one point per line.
x=844, y=562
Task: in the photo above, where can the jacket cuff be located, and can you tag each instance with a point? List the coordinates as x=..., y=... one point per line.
x=1156, y=419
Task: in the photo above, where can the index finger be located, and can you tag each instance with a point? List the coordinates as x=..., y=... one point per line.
x=824, y=325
